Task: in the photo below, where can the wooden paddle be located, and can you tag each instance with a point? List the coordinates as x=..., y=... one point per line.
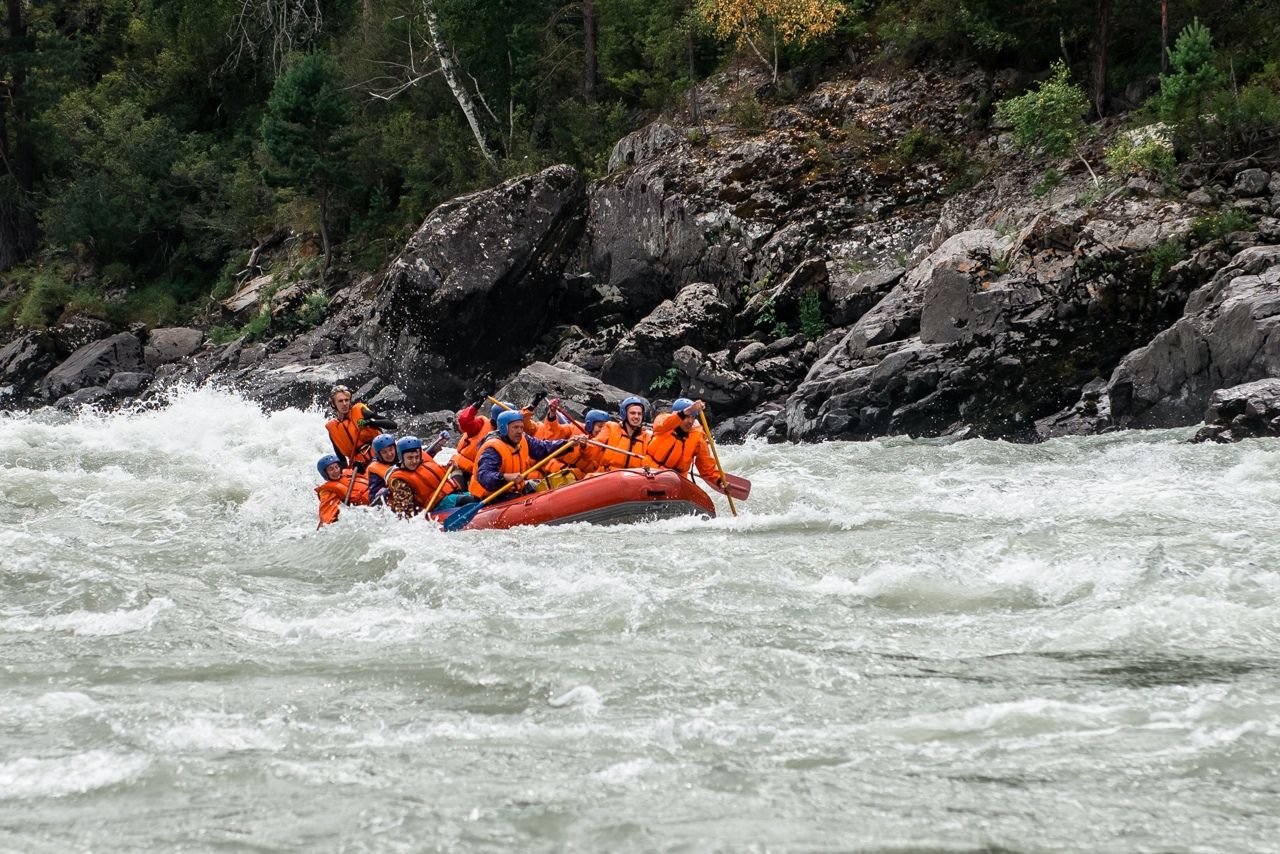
x=715, y=454
x=460, y=518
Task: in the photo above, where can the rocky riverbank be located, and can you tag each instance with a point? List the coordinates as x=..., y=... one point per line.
x=864, y=263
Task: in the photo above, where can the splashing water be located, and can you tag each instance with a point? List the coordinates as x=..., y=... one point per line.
x=898, y=645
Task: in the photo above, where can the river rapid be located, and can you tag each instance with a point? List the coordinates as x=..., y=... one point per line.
x=897, y=646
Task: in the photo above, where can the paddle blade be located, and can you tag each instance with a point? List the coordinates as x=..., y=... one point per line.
x=461, y=518
x=738, y=487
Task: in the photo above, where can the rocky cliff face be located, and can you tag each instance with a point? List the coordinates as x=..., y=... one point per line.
x=865, y=263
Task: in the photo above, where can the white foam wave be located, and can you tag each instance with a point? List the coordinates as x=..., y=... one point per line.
x=93, y=623
x=57, y=777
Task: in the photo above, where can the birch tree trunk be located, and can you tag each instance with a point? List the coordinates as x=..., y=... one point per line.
x=454, y=81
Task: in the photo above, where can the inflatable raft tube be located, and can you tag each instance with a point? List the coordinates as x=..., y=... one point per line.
x=612, y=498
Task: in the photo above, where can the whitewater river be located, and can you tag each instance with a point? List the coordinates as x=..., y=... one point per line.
x=898, y=646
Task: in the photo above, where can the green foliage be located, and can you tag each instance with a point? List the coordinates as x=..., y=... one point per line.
x=258, y=326
x=307, y=132
x=812, y=322
x=666, y=380
x=1148, y=154
x=1194, y=77
x=1048, y=182
x=1161, y=259
x=1214, y=226
x=223, y=334
x=1050, y=117
x=46, y=295
x=1248, y=118
x=312, y=311
x=745, y=110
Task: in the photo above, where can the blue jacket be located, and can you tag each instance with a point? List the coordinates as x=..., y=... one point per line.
x=489, y=466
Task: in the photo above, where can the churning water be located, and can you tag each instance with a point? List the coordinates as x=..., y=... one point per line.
x=899, y=645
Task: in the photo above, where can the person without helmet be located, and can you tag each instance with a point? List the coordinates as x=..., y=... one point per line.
x=384, y=460
x=475, y=429
x=336, y=487
x=678, y=442
x=630, y=436
x=353, y=429
x=508, y=454
x=415, y=478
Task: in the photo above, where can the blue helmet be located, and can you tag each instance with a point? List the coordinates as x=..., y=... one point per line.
x=499, y=408
x=326, y=461
x=407, y=443
x=593, y=418
x=506, y=419
x=381, y=442
x=632, y=401
x=681, y=404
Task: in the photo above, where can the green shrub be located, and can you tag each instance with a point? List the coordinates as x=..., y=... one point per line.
x=1050, y=181
x=1214, y=226
x=1162, y=258
x=812, y=323
x=1248, y=119
x=45, y=297
x=311, y=312
x=223, y=334
x=745, y=111
x=258, y=326
x=1137, y=153
x=1050, y=117
x=666, y=380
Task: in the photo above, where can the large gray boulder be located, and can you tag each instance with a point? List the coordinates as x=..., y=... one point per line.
x=23, y=361
x=1229, y=335
x=582, y=390
x=171, y=344
x=475, y=286
x=93, y=364
x=308, y=382
x=697, y=317
x=1245, y=411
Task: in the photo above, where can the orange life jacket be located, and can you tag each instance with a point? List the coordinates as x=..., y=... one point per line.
x=469, y=447
x=423, y=481
x=378, y=468
x=671, y=448
x=332, y=492
x=514, y=461
x=616, y=435
x=352, y=440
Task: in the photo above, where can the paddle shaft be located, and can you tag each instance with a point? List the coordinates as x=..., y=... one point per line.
x=539, y=464
x=439, y=486
x=572, y=420
x=715, y=454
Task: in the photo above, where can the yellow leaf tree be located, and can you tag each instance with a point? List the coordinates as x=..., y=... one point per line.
x=757, y=23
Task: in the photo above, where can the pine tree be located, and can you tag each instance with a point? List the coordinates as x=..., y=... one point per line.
x=307, y=131
x=1185, y=92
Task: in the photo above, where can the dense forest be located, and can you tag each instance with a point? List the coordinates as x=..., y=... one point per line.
x=146, y=146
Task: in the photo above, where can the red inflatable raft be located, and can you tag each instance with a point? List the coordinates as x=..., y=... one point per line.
x=613, y=498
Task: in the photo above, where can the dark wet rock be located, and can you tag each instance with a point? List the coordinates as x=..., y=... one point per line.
x=749, y=354
x=697, y=317
x=23, y=361
x=93, y=364
x=763, y=422
x=711, y=379
x=128, y=383
x=75, y=332
x=171, y=344
x=1091, y=415
x=303, y=384
x=643, y=145
x=1229, y=335
x=1247, y=411
x=475, y=285
x=852, y=291
x=1251, y=182
x=581, y=390
x=89, y=396
x=387, y=398
x=1201, y=197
